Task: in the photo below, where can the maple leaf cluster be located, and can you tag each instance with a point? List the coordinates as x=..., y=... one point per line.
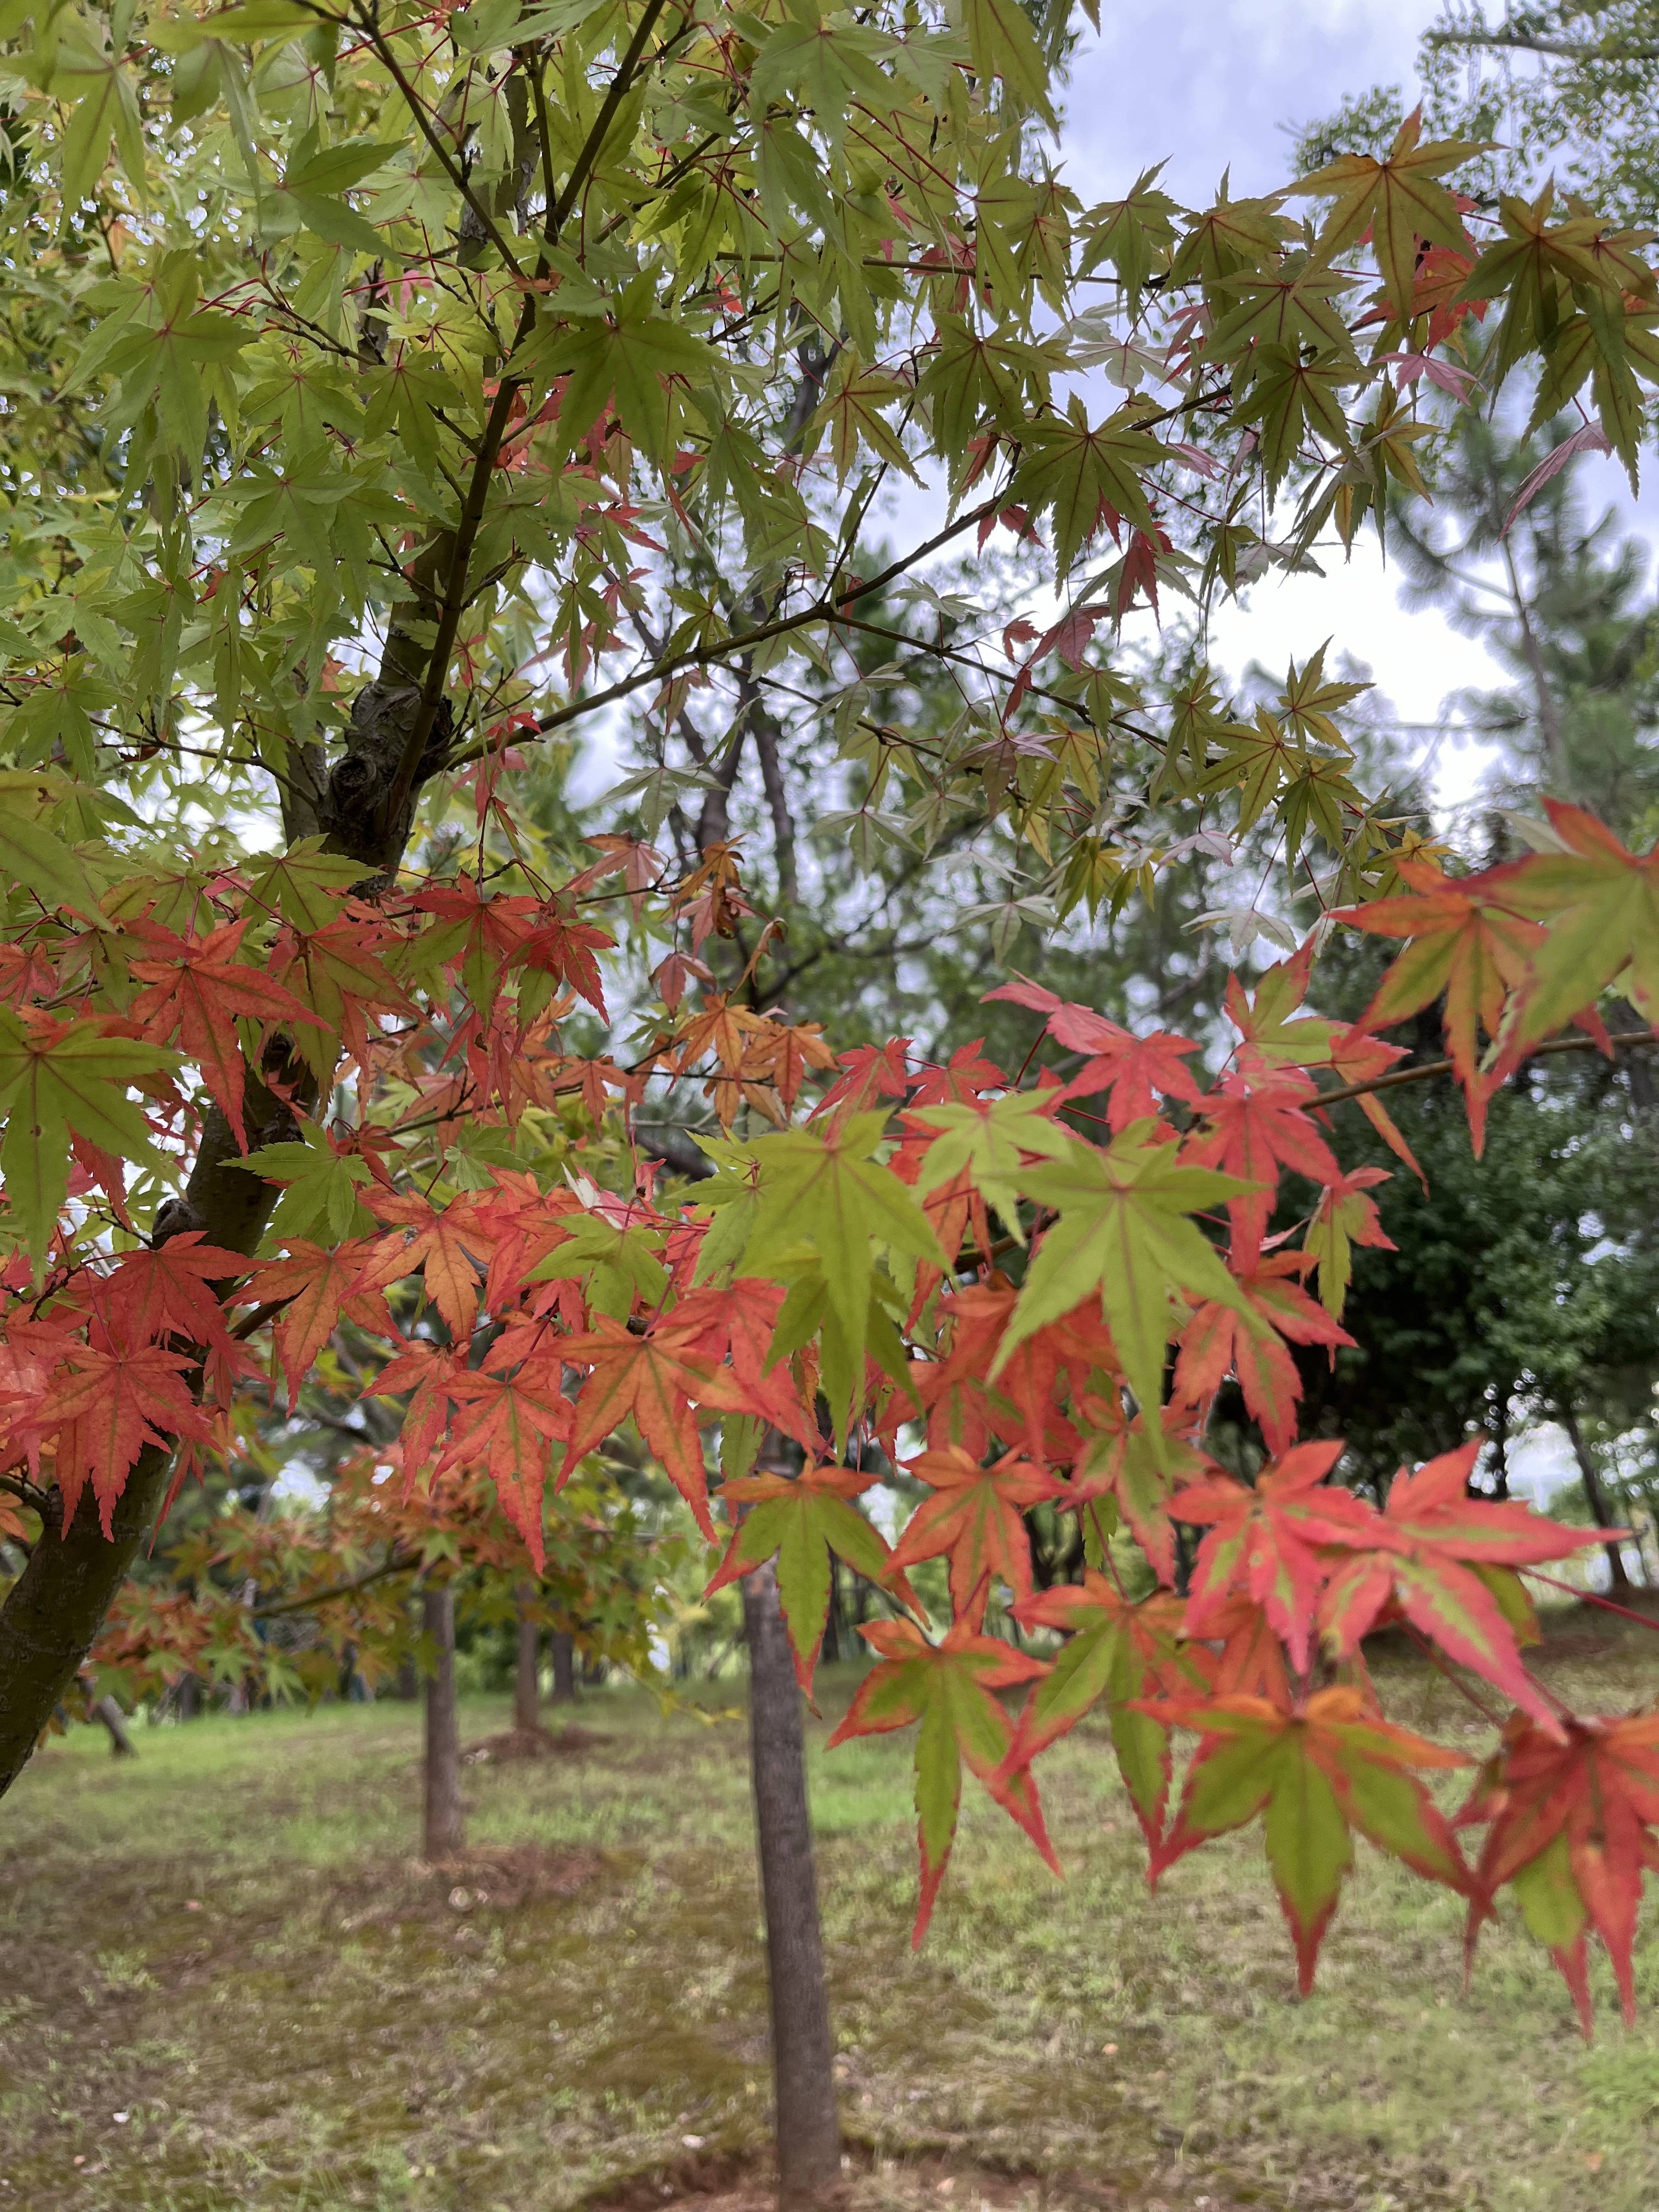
x=1012, y=1298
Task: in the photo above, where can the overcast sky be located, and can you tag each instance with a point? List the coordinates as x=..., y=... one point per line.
x=1221, y=83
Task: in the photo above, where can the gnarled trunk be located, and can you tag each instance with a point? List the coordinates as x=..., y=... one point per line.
x=803, y=2048
x=442, y=1834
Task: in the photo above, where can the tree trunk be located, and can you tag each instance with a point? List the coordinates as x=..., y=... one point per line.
x=442, y=1837
x=1601, y=1511
x=527, y=1675
x=803, y=2049
x=564, y=1667
x=109, y=1712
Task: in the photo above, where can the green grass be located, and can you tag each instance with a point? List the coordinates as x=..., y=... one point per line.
x=228, y=1941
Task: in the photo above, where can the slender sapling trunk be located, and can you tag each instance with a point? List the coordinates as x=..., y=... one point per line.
x=564, y=1667
x=526, y=1674
x=803, y=2049
x=442, y=1837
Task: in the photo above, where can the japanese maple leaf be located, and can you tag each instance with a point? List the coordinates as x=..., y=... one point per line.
x=974, y=1516
x=507, y=1426
x=198, y=990
x=564, y=948
x=313, y=1287
x=1255, y=1128
x=1574, y=1821
x=736, y=1324
x=1135, y=1467
x=1600, y=904
x=1357, y=1056
x=339, y=971
x=967, y=1075
x=1251, y=1658
x=1217, y=1342
x=948, y=1688
x=1274, y=1032
x=1345, y=1217
x=1468, y=940
x=1317, y=1772
x=105, y=1408
x=873, y=1072
x=164, y=1291
x=1398, y=200
x=1123, y=1229
x=655, y=1379
x=442, y=1248
x=432, y=1375
x=803, y=1519
x=1132, y=1069
x=1119, y=1650
x=1264, y=1542
x=1423, y=1560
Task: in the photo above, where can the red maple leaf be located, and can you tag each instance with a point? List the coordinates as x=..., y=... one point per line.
x=561, y=946
x=1423, y=1561
x=1258, y=1126
x=1574, y=1821
x=655, y=1379
x=873, y=1072
x=1464, y=943
x=163, y=1291
x=1219, y=1341
x=974, y=1516
x=506, y=1427
x=315, y=1286
x=198, y=990
x=1132, y=1069
x=1265, y=1542
x=105, y=1408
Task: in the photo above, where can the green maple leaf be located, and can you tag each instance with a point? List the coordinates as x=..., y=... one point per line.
x=947, y=1688
x=991, y=1142
x=1119, y=1650
x=1316, y=1773
x=1078, y=471
x=1003, y=44
x=58, y=1077
x=1124, y=1231
x=1600, y=904
x=621, y=356
x=802, y=1519
x=1398, y=198
x=320, y=1197
x=827, y=1199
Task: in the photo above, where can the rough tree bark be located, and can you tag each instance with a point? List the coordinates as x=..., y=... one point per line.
x=526, y=1673
x=1601, y=1511
x=803, y=2048
x=564, y=1667
x=443, y=1833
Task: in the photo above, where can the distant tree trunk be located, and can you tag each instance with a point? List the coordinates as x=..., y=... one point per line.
x=406, y=1682
x=106, y=1711
x=442, y=1836
x=526, y=1674
x=803, y=2049
x=1601, y=1511
x=564, y=1667
x=187, y=1696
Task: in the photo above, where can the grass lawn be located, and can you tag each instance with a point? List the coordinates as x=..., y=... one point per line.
x=224, y=1984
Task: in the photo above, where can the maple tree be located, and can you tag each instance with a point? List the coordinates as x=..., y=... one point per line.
x=413, y=387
